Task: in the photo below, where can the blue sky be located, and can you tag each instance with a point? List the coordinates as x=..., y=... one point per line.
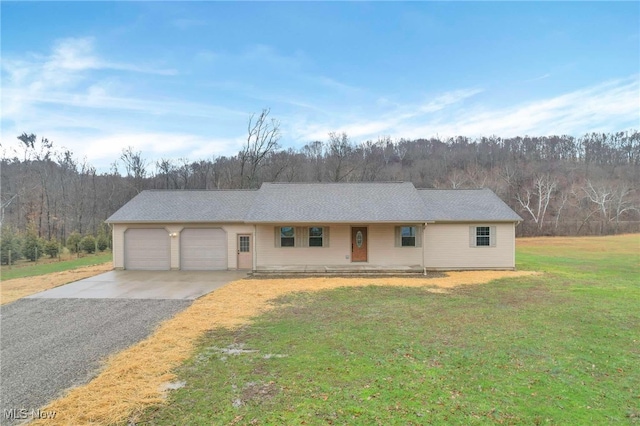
x=182, y=79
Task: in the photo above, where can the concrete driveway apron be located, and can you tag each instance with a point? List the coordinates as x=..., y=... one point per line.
x=175, y=285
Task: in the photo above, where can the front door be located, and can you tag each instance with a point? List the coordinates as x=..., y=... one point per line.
x=245, y=257
x=358, y=244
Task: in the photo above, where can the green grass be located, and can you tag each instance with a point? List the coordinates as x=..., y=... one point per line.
x=559, y=348
x=34, y=269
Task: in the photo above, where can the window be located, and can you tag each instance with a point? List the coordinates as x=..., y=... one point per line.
x=315, y=236
x=287, y=236
x=408, y=236
x=301, y=236
x=245, y=244
x=483, y=236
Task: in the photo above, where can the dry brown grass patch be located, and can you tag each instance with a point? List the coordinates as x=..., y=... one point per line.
x=17, y=288
x=624, y=243
x=134, y=378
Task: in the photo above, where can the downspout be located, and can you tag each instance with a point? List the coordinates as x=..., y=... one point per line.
x=424, y=268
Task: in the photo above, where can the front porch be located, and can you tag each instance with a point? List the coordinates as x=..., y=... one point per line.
x=352, y=269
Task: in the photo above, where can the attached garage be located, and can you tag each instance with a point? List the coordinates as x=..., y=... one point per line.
x=147, y=249
x=203, y=249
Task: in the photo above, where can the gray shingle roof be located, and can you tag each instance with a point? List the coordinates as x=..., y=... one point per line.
x=472, y=205
x=317, y=202
x=186, y=206
x=337, y=202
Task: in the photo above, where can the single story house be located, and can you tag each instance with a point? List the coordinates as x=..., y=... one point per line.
x=315, y=227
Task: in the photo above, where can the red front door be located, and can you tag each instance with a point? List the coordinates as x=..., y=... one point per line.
x=358, y=244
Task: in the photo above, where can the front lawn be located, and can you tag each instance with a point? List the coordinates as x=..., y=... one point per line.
x=48, y=266
x=559, y=348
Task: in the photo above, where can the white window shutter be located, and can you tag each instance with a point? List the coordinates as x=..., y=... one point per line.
x=492, y=236
x=325, y=236
x=398, y=236
x=277, y=241
x=472, y=236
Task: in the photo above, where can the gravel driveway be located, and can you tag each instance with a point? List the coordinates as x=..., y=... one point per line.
x=49, y=345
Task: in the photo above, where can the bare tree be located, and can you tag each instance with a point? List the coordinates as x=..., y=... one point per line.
x=164, y=170
x=563, y=202
x=566, y=182
x=535, y=201
x=477, y=176
x=457, y=179
x=612, y=201
x=136, y=167
x=622, y=203
x=339, y=149
x=262, y=139
x=601, y=196
x=372, y=160
x=314, y=152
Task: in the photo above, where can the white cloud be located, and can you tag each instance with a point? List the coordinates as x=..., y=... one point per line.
x=153, y=146
x=447, y=99
x=73, y=54
x=609, y=106
x=97, y=114
x=603, y=107
x=394, y=118
x=60, y=78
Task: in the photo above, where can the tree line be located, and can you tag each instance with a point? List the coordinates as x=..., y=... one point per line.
x=560, y=185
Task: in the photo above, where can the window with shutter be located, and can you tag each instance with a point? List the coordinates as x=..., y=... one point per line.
x=287, y=236
x=408, y=236
x=482, y=236
x=316, y=236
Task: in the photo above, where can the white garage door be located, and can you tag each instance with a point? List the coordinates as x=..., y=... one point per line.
x=203, y=249
x=147, y=249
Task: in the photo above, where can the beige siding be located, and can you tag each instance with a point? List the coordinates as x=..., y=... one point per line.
x=232, y=242
x=380, y=245
x=118, y=245
x=382, y=249
x=231, y=230
x=174, y=232
x=447, y=247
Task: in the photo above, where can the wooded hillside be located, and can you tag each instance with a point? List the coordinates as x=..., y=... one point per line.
x=560, y=185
